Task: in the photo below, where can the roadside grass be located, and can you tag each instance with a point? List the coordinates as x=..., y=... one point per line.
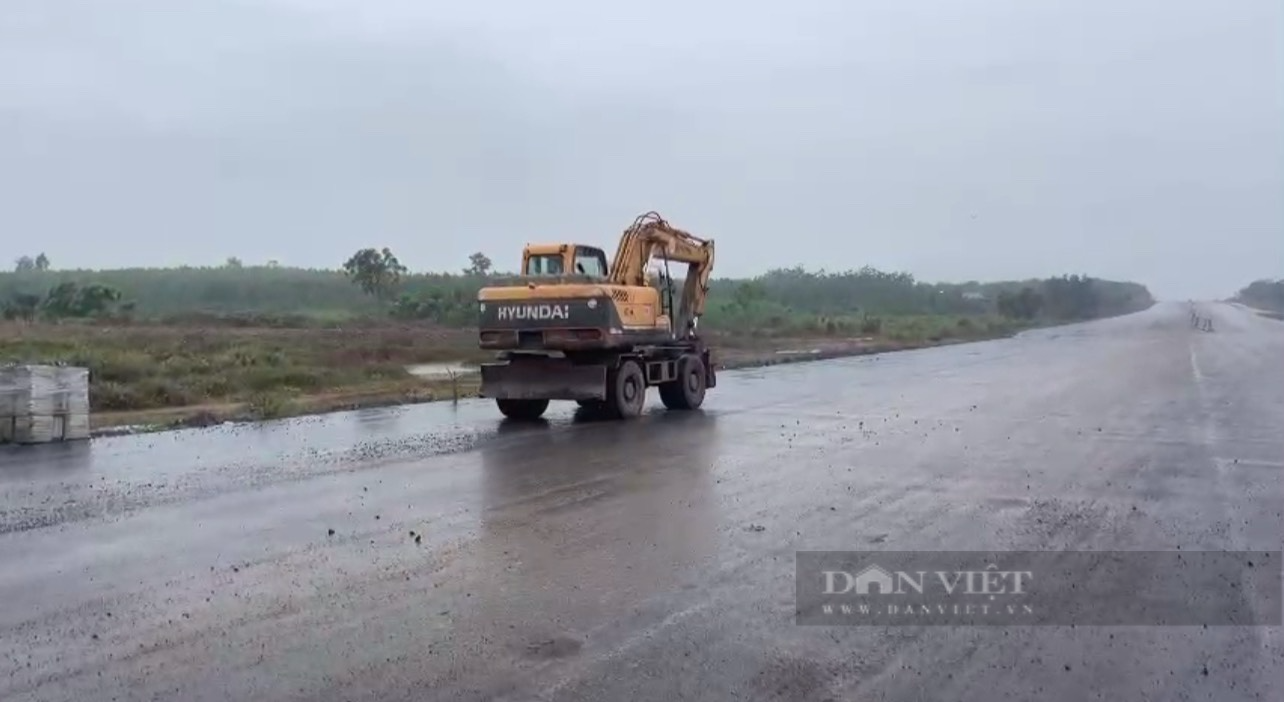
x=152, y=366
x=905, y=329
x=167, y=374
x=271, y=405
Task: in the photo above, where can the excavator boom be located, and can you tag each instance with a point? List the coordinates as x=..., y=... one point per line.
x=651, y=237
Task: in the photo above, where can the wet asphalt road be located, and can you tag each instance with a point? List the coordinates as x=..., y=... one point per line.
x=655, y=559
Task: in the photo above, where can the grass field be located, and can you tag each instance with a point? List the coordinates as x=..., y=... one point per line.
x=152, y=366
x=167, y=373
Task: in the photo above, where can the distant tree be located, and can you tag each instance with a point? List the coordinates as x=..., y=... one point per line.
x=94, y=300
x=273, y=263
x=24, y=263
x=478, y=264
x=1071, y=297
x=1006, y=303
x=1025, y=304
x=42, y=262
x=22, y=306
x=1029, y=302
x=1266, y=294
x=60, y=301
x=68, y=300
x=747, y=293
x=233, y=262
x=377, y=272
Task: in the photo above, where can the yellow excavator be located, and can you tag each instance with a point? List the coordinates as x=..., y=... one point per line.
x=570, y=328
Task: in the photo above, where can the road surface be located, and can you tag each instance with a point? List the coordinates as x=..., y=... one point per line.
x=654, y=559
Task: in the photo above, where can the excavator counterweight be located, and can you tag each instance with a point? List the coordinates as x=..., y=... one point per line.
x=571, y=328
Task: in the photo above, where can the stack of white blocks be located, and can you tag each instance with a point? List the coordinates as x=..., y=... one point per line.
x=40, y=404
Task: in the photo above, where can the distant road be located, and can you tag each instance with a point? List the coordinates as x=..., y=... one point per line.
x=654, y=560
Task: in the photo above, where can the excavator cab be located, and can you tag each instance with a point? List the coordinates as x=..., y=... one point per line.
x=554, y=260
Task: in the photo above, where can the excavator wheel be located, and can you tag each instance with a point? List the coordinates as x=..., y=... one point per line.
x=686, y=392
x=522, y=409
x=626, y=390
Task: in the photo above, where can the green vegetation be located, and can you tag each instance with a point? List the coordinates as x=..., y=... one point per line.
x=374, y=283
x=270, y=405
x=27, y=263
x=1263, y=294
x=149, y=366
x=237, y=290
x=64, y=299
x=864, y=300
x=267, y=336
x=376, y=272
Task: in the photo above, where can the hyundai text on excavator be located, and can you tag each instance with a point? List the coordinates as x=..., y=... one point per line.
x=570, y=328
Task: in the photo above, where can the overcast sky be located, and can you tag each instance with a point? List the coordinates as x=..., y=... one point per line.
x=953, y=139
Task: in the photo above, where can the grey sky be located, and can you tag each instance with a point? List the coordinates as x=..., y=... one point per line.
x=954, y=139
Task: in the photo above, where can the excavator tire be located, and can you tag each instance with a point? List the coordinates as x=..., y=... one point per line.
x=626, y=390
x=522, y=409
x=671, y=394
x=686, y=392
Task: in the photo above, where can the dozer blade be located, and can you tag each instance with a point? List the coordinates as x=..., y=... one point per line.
x=544, y=379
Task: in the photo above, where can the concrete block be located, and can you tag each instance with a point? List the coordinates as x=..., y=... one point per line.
x=39, y=404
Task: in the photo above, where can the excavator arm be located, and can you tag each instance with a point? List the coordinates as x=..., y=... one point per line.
x=650, y=237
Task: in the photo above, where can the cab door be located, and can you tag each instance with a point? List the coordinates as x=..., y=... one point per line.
x=589, y=261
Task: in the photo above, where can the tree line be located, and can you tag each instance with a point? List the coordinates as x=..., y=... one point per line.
x=374, y=282
x=1265, y=294
x=64, y=299
x=1071, y=297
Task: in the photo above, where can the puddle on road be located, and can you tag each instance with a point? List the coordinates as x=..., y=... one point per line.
x=440, y=370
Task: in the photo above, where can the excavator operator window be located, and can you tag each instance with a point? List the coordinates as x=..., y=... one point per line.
x=544, y=264
x=590, y=261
